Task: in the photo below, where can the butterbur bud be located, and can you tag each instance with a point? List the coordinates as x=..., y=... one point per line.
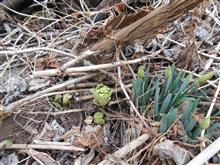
x=99, y=118
x=102, y=95
x=67, y=99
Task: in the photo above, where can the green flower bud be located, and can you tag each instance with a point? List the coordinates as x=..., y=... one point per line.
x=140, y=72
x=102, y=95
x=99, y=118
x=204, y=124
x=168, y=72
x=205, y=78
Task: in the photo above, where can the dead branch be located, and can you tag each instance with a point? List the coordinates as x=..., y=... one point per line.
x=205, y=155
x=53, y=72
x=17, y=104
x=148, y=26
x=144, y=28
x=121, y=153
x=44, y=147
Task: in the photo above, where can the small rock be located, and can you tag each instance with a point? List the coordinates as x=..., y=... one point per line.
x=13, y=87
x=168, y=149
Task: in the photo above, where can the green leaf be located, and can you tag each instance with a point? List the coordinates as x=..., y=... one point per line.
x=189, y=78
x=167, y=120
x=166, y=104
x=137, y=90
x=56, y=104
x=175, y=85
x=163, y=124
x=171, y=116
x=189, y=110
x=156, y=103
x=183, y=99
x=58, y=98
x=99, y=121
x=196, y=132
x=189, y=124
x=212, y=130
x=146, y=76
x=98, y=115
x=143, y=99
x=187, y=116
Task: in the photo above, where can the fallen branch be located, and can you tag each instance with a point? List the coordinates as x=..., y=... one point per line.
x=206, y=154
x=43, y=147
x=17, y=104
x=54, y=72
x=121, y=153
x=148, y=26
x=29, y=50
x=144, y=28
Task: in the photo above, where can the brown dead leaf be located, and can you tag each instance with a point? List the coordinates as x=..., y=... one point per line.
x=2, y=15
x=71, y=134
x=47, y=133
x=189, y=58
x=4, y=115
x=92, y=138
x=47, y=62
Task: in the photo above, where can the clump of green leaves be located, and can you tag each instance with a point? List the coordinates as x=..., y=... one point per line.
x=102, y=95
x=168, y=94
x=143, y=89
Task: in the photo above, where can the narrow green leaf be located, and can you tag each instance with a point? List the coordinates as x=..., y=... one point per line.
x=171, y=116
x=137, y=87
x=175, y=85
x=189, y=124
x=163, y=124
x=167, y=120
x=166, y=104
x=183, y=99
x=186, y=118
x=156, y=103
